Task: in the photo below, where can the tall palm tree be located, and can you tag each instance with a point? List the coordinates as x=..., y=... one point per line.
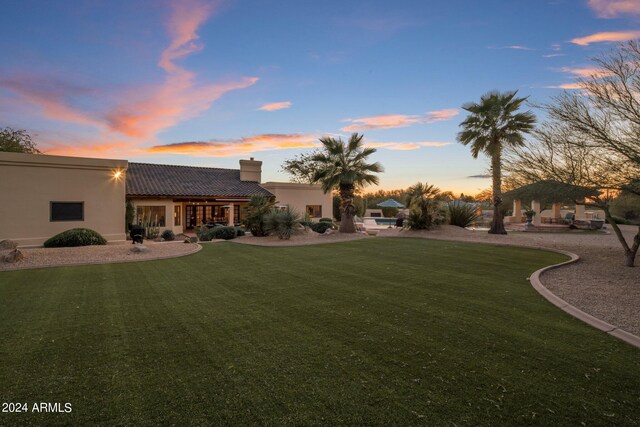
x=343, y=166
x=492, y=125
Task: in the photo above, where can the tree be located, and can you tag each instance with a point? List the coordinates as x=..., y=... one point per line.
x=592, y=137
x=492, y=124
x=343, y=166
x=17, y=141
x=255, y=214
x=301, y=168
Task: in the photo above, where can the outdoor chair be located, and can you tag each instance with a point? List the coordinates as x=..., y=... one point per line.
x=568, y=218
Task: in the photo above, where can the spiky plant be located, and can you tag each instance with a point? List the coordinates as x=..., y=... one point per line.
x=461, y=214
x=283, y=223
x=255, y=212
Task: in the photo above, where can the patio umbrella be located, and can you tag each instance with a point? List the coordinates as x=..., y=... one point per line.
x=390, y=203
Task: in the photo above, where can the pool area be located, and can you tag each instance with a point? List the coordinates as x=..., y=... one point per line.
x=385, y=221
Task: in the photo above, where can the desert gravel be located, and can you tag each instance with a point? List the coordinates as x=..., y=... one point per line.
x=49, y=257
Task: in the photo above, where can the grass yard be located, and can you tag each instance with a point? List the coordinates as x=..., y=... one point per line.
x=369, y=332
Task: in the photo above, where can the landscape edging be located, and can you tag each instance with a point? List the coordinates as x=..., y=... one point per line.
x=573, y=310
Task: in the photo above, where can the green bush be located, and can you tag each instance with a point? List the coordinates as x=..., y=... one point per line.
x=461, y=214
x=240, y=231
x=326, y=220
x=225, y=233
x=321, y=227
x=168, y=235
x=75, y=237
x=283, y=223
x=620, y=220
x=206, y=234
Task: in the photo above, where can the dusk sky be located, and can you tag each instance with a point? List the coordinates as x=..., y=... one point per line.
x=209, y=82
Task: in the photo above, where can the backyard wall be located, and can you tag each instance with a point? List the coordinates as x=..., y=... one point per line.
x=302, y=196
x=29, y=183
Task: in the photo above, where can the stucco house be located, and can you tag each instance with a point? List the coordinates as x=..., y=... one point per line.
x=44, y=195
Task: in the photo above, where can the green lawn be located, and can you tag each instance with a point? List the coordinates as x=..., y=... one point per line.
x=369, y=332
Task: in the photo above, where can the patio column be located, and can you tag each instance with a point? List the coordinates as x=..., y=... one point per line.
x=230, y=212
x=517, y=210
x=555, y=210
x=580, y=212
x=535, y=206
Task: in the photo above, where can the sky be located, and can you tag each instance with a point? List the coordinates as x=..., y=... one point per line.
x=206, y=83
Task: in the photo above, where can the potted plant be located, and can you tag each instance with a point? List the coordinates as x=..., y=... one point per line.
x=529, y=213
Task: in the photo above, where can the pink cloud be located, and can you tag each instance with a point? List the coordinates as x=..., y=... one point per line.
x=568, y=86
x=586, y=72
x=274, y=106
x=613, y=8
x=240, y=146
x=610, y=36
x=139, y=113
x=391, y=121
x=403, y=146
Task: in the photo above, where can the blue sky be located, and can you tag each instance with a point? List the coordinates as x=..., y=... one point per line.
x=209, y=82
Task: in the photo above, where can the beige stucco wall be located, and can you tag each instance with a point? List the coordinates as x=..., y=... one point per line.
x=29, y=182
x=298, y=196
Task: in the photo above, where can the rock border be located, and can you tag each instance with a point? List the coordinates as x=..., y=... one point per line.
x=76, y=264
x=573, y=310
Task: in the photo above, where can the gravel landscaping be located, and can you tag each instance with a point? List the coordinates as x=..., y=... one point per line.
x=49, y=257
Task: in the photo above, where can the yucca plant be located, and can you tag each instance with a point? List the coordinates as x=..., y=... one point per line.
x=255, y=214
x=283, y=223
x=461, y=214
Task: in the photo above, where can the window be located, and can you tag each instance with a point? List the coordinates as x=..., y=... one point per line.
x=176, y=215
x=66, y=211
x=314, y=211
x=152, y=215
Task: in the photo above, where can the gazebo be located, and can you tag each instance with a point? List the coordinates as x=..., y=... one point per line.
x=545, y=192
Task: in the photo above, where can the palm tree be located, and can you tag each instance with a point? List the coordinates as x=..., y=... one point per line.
x=344, y=166
x=424, y=202
x=492, y=125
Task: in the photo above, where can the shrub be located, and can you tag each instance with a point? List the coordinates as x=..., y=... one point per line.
x=255, y=214
x=326, y=220
x=283, y=222
x=206, y=234
x=225, y=233
x=620, y=220
x=168, y=235
x=461, y=214
x=321, y=227
x=240, y=231
x=75, y=237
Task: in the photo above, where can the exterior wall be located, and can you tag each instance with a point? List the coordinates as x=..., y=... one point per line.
x=299, y=196
x=30, y=182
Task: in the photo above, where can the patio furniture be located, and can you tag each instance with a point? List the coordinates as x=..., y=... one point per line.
x=137, y=233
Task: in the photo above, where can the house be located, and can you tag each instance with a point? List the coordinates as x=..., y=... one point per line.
x=44, y=195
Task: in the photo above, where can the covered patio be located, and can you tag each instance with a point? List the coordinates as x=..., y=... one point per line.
x=554, y=194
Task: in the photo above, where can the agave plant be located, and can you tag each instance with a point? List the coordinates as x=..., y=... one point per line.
x=283, y=223
x=461, y=214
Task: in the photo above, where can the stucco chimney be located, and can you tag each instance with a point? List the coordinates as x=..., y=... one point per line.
x=251, y=170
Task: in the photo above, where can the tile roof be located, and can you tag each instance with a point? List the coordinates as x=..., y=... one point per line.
x=146, y=179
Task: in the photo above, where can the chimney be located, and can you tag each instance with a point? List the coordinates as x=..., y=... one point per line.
x=251, y=170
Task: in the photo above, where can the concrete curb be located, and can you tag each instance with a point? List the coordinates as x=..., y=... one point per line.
x=76, y=264
x=574, y=311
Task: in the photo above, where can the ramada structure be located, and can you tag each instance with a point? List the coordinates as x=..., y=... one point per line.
x=43, y=195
